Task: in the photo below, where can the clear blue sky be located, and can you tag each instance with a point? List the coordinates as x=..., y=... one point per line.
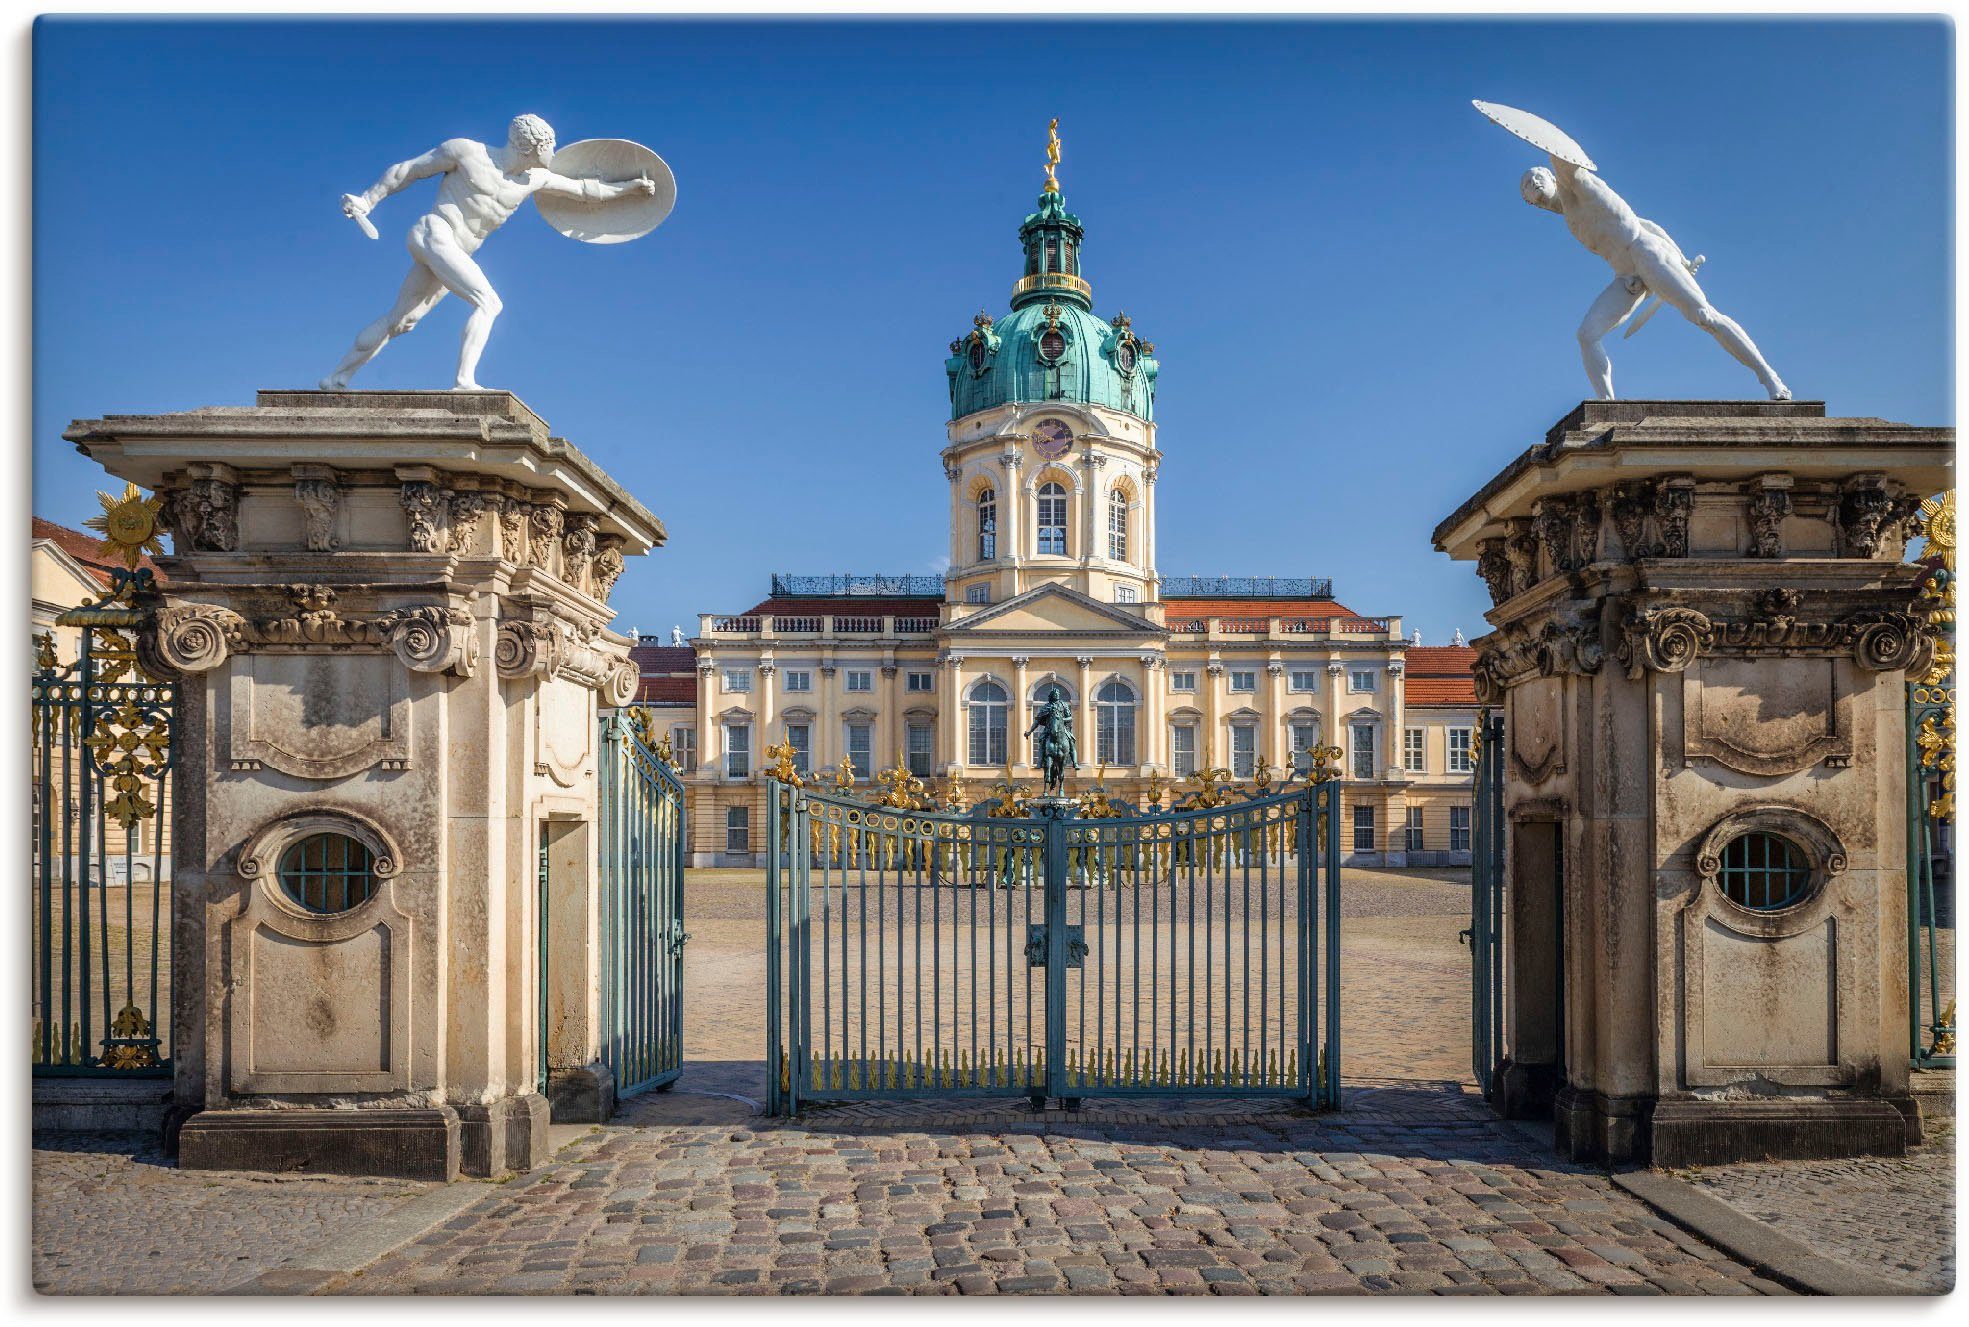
x=1358, y=319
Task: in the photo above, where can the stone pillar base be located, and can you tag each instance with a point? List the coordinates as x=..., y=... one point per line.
x=1588, y=1126
x=1524, y=1091
x=581, y=1096
x=506, y=1136
x=415, y=1144
x=1714, y=1133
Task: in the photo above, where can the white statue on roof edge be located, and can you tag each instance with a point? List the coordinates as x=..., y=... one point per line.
x=1644, y=259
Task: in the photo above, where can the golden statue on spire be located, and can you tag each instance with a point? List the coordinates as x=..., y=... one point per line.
x=1052, y=155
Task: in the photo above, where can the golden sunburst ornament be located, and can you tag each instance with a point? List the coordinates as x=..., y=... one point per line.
x=129, y=525
x=1938, y=524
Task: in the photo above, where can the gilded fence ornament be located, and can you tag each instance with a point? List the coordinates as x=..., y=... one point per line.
x=781, y=755
x=130, y=525
x=44, y=653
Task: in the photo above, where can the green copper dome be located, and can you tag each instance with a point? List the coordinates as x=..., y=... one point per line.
x=1051, y=346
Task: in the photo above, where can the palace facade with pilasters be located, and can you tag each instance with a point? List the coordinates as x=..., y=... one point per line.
x=1051, y=465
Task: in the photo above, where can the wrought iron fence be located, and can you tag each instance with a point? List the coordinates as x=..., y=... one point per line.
x=99, y=852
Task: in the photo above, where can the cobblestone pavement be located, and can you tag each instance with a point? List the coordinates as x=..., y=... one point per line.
x=1412, y=1189
x=112, y=1217
x=1894, y=1216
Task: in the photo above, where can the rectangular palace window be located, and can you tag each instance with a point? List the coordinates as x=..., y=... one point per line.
x=800, y=737
x=1303, y=679
x=1244, y=750
x=920, y=682
x=1182, y=750
x=1243, y=679
x=683, y=747
x=738, y=679
x=1363, y=829
x=1182, y=681
x=861, y=679
x=1459, y=752
x=1459, y=829
x=738, y=829
x=738, y=751
x=1415, y=829
x=799, y=679
x=1412, y=748
x=1363, y=750
x=1360, y=679
x=921, y=749
x=861, y=739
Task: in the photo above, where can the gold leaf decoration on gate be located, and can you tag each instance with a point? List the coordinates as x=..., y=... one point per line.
x=131, y=747
x=130, y=525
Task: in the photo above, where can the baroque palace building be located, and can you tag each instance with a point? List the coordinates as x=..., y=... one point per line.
x=1051, y=468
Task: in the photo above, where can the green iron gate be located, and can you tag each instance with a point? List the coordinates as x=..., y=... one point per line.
x=928, y=953
x=1930, y=874
x=642, y=910
x=1486, y=933
x=99, y=859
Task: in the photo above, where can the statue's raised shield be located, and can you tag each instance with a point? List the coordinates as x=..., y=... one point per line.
x=614, y=220
x=1538, y=131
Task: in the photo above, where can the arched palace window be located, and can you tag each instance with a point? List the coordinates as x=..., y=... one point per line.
x=1052, y=520
x=1118, y=526
x=987, y=724
x=987, y=524
x=1114, y=722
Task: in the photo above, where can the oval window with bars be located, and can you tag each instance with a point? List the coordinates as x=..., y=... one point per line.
x=1051, y=346
x=328, y=873
x=1764, y=872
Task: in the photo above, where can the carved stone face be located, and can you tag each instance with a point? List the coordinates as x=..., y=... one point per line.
x=1540, y=188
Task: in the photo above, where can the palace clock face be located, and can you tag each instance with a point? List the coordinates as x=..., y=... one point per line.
x=1051, y=439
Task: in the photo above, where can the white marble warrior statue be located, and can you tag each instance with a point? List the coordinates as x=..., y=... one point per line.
x=481, y=187
x=1644, y=259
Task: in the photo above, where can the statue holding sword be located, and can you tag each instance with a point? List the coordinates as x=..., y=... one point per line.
x=1644, y=259
x=479, y=188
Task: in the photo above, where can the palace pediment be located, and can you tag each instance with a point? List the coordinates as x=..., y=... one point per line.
x=1055, y=610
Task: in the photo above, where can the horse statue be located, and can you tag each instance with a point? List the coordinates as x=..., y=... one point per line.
x=1056, y=750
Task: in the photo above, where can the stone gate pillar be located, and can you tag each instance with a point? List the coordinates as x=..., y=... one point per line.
x=389, y=614
x=1704, y=628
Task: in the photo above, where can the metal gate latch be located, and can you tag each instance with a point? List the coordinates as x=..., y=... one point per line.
x=1036, y=946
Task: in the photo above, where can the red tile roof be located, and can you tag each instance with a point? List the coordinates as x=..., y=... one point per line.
x=851, y=606
x=673, y=689
x=652, y=658
x=1440, y=675
x=1312, y=610
x=85, y=548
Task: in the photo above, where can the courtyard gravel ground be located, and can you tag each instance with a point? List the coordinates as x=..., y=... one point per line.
x=1413, y=1189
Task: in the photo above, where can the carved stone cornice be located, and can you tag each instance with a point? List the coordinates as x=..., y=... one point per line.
x=1668, y=638
x=1495, y=568
x=1674, y=502
x=424, y=508
x=513, y=521
x=608, y=568
x=577, y=547
x=1521, y=553
x=1770, y=503
x=318, y=493
x=545, y=523
x=551, y=649
x=467, y=511
x=1629, y=505
x=427, y=638
x=203, y=513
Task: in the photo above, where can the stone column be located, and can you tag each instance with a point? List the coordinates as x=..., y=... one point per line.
x=1273, y=751
x=888, y=725
x=1148, y=531
x=1216, y=742
x=1704, y=629
x=829, y=742
x=1020, y=719
x=953, y=727
x=399, y=653
x=1089, y=743
x=1152, y=742
x=710, y=733
x=768, y=710
x=1011, y=506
